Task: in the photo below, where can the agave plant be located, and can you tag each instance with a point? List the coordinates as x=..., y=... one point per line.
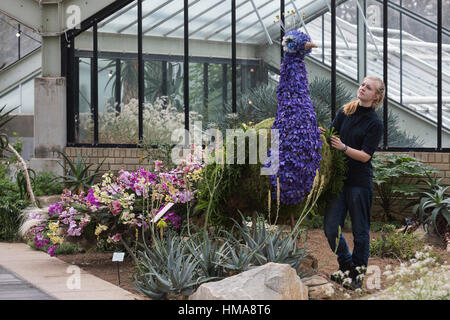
x=166, y=269
x=208, y=252
x=78, y=177
x=433, y=208
x=237, y=256
x=272, y=246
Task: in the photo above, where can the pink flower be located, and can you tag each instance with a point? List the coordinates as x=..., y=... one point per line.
x=158, y=165
x=115, y=210
x=115, y=238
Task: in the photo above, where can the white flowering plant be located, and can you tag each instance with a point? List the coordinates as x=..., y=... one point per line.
x=421, y=278
x=160, y=120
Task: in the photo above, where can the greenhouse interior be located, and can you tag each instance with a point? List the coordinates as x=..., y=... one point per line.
x=94, y=95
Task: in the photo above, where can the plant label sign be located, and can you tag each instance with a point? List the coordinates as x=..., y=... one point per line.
x=162, y=212
x=118, y=256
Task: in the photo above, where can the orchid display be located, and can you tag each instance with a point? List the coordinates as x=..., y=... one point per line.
x=118, y=207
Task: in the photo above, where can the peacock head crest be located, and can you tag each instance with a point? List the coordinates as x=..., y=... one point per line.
x=298, y=42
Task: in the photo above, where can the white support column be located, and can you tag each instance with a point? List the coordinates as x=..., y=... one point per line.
x=362, y=57
x=50, y=124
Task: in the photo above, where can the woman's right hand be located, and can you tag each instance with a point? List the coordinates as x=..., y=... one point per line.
x=322, y=130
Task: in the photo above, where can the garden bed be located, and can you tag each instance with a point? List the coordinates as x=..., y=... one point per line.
x=100, y=264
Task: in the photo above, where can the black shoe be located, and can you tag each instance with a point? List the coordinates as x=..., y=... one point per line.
x=343, y=273
x=357, y=275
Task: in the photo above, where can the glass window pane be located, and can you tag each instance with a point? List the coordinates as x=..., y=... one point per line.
x=163, y=49
x=29, y=41
x=84, y=121
x=258, y=59
x=9, y=48
x=28, y=97
x=11, y=100
x=118, y=107
x=446, y=92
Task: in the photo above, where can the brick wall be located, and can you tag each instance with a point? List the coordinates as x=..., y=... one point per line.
x=129, y=159
x=438, y=160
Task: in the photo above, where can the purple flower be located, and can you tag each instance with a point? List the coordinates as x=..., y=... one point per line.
x=35, y=216
x=39, y=240
x=173, y=219
x=55, y=208
x=92, y=199
x=51, y=250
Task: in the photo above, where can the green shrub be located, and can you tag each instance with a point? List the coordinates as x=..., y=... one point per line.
x=377, y=226
x=45, y=184
x=313, y=221
x=433, y=208
x=175, y=265
x=10, y=207
x=65, y=248
x=394, y=178
x=394, y=244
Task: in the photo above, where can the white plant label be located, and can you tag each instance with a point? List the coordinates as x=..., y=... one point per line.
x=118, y=256
x=162, y=212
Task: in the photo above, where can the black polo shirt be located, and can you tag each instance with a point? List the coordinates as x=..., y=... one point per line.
x=361, y=131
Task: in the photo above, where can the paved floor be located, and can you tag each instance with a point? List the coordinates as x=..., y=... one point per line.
x=14, y=288
x=29, y=274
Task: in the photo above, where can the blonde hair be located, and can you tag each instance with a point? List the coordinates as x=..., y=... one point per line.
x=351, y=107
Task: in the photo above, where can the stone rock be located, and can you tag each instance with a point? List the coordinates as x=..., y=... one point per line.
x=46, y=201
x=319, y=288
x=308, y=265
x=429, y=237
x=272, y=281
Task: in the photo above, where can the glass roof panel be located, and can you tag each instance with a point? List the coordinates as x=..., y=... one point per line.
x=248, y=24
x=216, y=25
x=120, y=20
x=166, y=18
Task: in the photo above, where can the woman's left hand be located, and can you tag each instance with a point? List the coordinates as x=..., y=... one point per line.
x=336, y=143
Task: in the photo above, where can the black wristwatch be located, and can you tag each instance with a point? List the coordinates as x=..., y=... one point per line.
x=345, y=148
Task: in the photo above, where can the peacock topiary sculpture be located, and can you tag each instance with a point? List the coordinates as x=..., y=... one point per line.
x=299, y=137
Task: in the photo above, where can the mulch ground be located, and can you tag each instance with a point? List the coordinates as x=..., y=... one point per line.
x=100, y=264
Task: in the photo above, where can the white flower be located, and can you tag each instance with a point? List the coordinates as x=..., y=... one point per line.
x=347, y=281
x=388, y=267
x=347, y=296
x=329, y=291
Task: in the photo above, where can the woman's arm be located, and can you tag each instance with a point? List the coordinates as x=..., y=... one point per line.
x=358, y=155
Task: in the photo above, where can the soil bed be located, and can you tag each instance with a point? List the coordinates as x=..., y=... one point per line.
x=100, y=264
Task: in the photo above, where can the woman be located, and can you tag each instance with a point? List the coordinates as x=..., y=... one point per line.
x=360, y=131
